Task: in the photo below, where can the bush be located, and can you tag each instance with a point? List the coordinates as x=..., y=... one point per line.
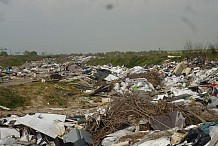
x=3, y=53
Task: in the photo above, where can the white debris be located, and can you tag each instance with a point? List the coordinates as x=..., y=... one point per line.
x=163, y=141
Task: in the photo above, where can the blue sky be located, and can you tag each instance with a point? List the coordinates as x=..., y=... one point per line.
x=82, y=26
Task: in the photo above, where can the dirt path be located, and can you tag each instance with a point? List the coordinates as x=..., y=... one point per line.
x=16, y=82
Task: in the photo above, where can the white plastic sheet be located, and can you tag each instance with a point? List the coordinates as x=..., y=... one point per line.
x=47, y=124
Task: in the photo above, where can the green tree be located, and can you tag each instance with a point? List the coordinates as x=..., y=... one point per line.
x=3, y=53
x=28, y=53
x=33, y=53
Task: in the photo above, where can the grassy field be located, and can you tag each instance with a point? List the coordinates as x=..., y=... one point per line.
x=129, y=59
x=39, y=94
x=17, y=60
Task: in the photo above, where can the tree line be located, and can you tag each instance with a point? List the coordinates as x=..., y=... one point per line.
x=26, y=53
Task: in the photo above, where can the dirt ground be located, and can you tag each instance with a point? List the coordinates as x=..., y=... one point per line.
x=59, y=98
x=15, y=82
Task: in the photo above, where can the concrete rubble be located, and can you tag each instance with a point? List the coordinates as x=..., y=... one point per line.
x=151, y=105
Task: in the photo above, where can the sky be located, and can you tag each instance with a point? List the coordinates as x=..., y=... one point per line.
x=90, y=26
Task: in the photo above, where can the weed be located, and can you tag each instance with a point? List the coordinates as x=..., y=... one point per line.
x=10, y=98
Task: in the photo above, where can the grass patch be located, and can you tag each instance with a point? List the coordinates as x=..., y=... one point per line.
x=56, y=94
x=10, y=98
x=130, y=59
x=17, y=60
x=56, y=100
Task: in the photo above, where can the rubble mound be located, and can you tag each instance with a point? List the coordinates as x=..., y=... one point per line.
x=132, y=111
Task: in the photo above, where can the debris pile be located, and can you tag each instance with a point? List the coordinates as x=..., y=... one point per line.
x=171, y=104
x=146, y=115
x=42, y=129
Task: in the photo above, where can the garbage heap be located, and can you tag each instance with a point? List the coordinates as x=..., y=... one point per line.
x=145, y=116
x=172, y=104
